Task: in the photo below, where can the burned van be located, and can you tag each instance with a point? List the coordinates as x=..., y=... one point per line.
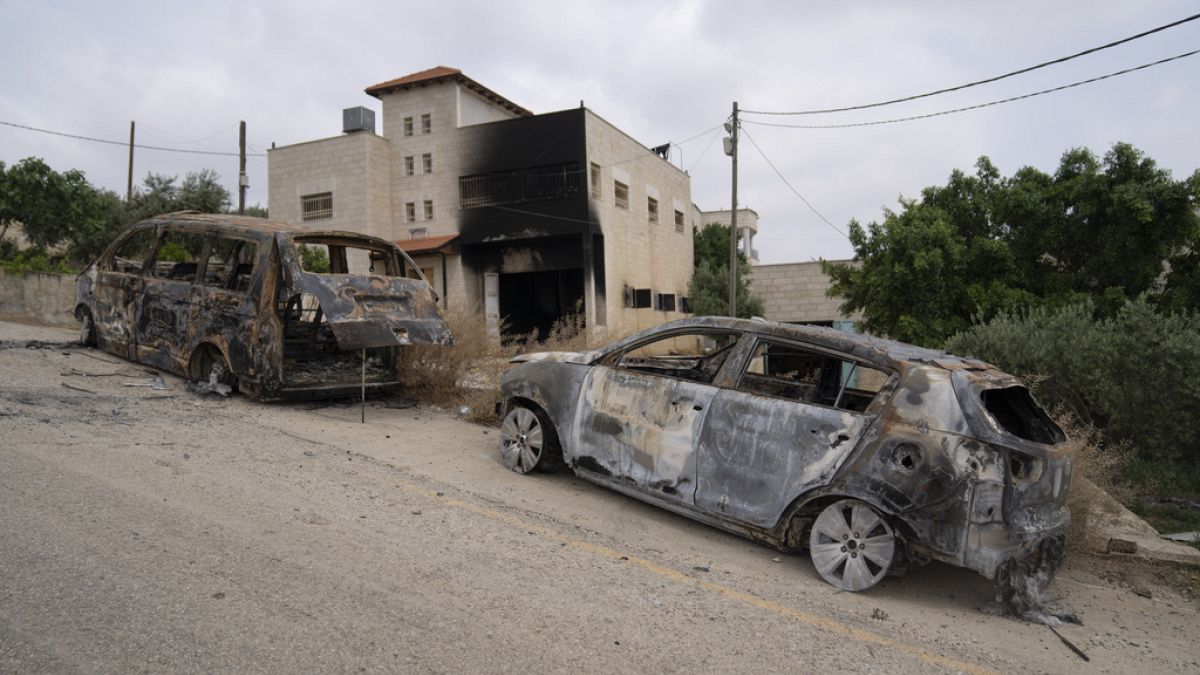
x=279, y=310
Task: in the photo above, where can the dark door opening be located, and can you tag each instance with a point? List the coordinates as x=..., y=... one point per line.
x=532, y=301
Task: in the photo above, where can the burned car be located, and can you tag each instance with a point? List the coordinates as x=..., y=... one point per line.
x=280, y=311
x=872, y=454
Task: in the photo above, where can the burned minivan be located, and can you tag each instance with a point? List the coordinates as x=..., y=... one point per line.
x=277, y=310
x=872, y=454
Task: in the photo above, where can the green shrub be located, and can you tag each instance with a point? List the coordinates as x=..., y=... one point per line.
x=1136, y=376
x=34, y=260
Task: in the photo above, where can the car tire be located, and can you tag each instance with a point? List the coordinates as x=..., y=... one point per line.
x=852, y=546
x=87, y=327
x=528, y=441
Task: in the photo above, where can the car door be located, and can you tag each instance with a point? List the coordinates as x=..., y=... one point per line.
x=225, y=298
x=642, y=410
x=164, y=307
x=795, y=414
x=118, y=284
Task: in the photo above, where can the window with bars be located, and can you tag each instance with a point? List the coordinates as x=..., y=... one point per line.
x=409, y=166
x=408, y=126
x=428, y=209
x=620, y=195
x=427, y=162
x=316, y=206
x=595, y=180
x=410, y=211
x=426, y=123
x=550, y=181
x=679, y=225
x=652, y=209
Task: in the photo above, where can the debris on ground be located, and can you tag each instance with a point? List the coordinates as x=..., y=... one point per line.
x=210, y=387
x=157, y=383
x=1183, y=536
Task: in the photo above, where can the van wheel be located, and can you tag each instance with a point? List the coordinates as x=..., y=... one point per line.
x=851, y=545
x=87, y=327
x=207, y=362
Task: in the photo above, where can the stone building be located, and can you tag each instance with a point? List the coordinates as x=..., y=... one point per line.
x=747, y=225
x=795, y=293
x=524, y=217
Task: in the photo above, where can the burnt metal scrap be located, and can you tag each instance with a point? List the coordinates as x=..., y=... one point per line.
x=227, y=296
x=873, y=454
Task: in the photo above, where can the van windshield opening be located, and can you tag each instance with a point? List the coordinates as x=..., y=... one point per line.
x=345, y=255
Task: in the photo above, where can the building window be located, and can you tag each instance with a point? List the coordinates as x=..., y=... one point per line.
x=664, y=302
x=418, y=232
x=317, y=206
x=642, y=298
x=652, y=209
x=679, y=226
x=595, y=180
x=428, y=209
x=620, y=194
x=408, y=126
x=537, y=183
x=427, y=162
x=426, y=123
x=409, y=166
x=410, y=211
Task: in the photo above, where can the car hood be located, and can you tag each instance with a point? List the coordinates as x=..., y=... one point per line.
x=556, y=357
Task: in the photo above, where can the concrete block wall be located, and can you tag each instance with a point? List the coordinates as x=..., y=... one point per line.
x=795, y=292
x=637, y=252
x=38, y=297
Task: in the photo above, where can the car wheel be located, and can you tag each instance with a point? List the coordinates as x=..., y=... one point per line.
x=528, y=441
x=208, y=365
x=851, y=545
x=87, y=328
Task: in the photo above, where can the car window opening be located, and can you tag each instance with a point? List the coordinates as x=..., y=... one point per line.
x=339, y=256
x=1015, y=411
x=696, y=356
x=790, y=372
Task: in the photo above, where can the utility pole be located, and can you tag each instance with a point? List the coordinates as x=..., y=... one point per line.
x=129, y=181
x=731, y=144
x=243, y=182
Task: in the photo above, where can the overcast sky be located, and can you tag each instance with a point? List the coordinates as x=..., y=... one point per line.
x=661, y=71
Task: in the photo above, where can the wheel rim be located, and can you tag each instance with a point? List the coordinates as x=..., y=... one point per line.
x=851, y=545
x=521, y=440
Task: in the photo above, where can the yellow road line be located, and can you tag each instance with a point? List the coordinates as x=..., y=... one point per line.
x=821, y=623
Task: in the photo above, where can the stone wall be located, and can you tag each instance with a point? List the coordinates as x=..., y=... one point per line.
x=795, y=292
x=38, y=297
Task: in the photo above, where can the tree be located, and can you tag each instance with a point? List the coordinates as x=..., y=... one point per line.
x=708, y=291
x=1102, y=231
x=45, y=202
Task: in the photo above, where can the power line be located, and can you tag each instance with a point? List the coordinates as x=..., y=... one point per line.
x=984, y=81
x=979, y=105
x=123, y=144
x=789, y=185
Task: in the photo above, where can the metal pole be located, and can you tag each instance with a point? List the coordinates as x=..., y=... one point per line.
x=242, y=170
x=733, y=237
x=363, y=405
x=129, y=183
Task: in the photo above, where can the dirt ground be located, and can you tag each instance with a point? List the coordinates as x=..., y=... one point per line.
x=161, y=530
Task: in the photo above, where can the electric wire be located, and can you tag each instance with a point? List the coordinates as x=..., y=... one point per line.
x=124, y=144
x=175, y=138
x=789, y=185
x=703, y=152
x=978, y=105
x=984, y=81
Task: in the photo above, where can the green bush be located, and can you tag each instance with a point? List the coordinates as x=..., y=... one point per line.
x=34, y=260
x=1136, y=376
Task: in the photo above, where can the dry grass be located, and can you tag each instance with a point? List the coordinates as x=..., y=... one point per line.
x=1100, y=466
x=467, y=375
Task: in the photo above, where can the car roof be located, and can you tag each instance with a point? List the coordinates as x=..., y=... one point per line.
x=227, y=222
x=867, y=347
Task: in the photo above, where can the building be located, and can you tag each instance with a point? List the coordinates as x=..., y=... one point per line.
x=747, y=225
x=795, y=293
x=523, y=217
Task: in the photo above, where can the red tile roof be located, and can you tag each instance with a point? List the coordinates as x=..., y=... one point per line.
x=419, y=245
x=441, y=74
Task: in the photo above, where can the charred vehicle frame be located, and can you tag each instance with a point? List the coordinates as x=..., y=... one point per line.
x=235, y=299
x=871, y=453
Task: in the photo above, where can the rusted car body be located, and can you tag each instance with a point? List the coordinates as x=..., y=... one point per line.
x=871, y=453
x=230, y=298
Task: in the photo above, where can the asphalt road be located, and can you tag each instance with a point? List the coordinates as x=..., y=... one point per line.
x=146, y=530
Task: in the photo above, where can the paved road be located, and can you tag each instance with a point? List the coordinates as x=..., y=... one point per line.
x=145, y=530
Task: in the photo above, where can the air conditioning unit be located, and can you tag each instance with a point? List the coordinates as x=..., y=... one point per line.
x=358, y=119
